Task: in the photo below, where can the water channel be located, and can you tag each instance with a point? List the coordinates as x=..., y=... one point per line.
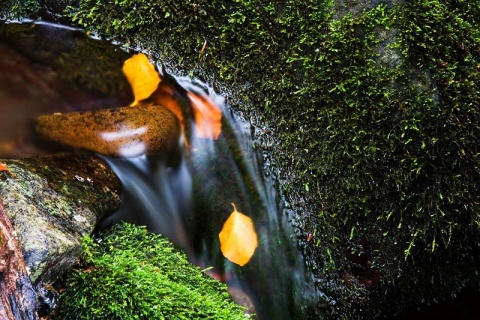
x=185, y=195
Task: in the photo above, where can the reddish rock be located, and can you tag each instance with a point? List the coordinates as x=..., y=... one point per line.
x=17, y=295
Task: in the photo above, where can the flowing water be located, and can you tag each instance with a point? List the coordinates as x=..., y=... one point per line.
x=186, y=195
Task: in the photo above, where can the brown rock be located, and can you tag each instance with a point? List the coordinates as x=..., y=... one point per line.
x=125, y=131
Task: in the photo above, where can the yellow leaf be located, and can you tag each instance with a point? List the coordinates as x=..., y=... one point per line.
x=238, y=239
x=145, y=80
x=142, y=76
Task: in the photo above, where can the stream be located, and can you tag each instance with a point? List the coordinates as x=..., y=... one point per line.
x=185, y=195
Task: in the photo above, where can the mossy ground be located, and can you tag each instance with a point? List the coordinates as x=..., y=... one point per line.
x=376, y=119
x=129, y=273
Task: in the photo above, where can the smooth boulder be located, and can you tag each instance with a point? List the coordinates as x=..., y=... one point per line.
x=124, y=131
x=52, y=203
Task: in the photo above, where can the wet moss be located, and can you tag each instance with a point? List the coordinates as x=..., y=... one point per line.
x=19, y=9
x=80, y=61
x=376, y=117
x=128, y=273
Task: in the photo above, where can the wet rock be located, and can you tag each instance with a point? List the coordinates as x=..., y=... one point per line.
x=17, y=295
x=48, y=69
x=351, y=209
x=125, y=131
x=53, y=202
x=357, y=7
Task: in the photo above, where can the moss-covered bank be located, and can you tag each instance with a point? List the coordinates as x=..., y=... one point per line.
x=128, y=273
x=376, y=117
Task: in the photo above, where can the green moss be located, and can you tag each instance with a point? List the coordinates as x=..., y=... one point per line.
x=376, y=118
x=128, y=273
x=18, y=9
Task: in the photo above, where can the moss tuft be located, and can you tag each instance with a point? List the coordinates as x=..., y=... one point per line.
x=18, y=9
x=128, y=273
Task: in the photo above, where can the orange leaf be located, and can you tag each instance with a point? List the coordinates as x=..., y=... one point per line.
x=3, y=167
x=208, y=116
x=238, y=239
x=144, y=80
x=166, y=96
x=142, y=76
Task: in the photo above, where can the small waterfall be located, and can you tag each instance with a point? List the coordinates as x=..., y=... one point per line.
x=185, y=195
x=187, y=198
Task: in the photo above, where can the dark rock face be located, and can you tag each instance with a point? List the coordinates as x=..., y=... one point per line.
x=52, y=10
x=53, y=202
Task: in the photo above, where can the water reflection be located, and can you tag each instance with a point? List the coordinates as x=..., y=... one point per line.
x=123, y=132
x=127, y=133
x=45, y=69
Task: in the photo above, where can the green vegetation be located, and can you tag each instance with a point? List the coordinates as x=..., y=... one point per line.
x=128, y=273
x=18, y=9
x=376, y=117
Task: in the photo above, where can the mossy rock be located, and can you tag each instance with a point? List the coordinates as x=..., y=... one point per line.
x=53, y=202
x=129, y=273
x=375, y=113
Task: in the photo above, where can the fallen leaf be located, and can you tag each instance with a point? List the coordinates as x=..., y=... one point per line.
x=208, y=116
x=238, y=239
x=3, y=167
x=309, y=238
x=145, y=80
x=88, y=269
x=142, y=76
x=167, y=96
